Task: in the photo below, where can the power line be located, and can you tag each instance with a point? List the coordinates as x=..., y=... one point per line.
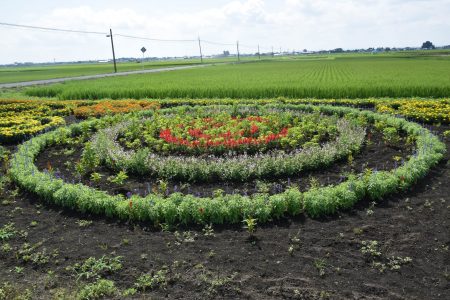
x=217, y=43
x=121, y=35
x=152, y=39
x=51, y=29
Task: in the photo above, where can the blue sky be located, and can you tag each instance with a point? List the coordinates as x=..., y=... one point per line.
x=289, y=24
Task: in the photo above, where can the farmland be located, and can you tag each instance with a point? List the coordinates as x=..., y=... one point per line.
x=313, y=177
x=10, y=74
x=316, y=77
x=18, y=74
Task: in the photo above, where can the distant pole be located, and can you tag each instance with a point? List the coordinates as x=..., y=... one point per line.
x=272, y=52
x=259, y=53
x=237, y=47
x=112, y=46
x=200, y=47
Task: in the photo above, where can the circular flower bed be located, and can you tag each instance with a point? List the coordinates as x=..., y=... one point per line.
x=223, y=208
x=224, y=133
x=348, y=139
x=227, y=131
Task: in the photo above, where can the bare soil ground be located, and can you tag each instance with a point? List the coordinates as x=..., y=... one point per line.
x=294, y=258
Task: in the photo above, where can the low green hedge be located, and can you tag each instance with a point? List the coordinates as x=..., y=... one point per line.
x=178, y=208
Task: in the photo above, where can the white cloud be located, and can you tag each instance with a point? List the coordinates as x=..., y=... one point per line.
x=319, y=24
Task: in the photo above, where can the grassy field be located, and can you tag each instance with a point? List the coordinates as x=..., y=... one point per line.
x=42, y=72
x=19, y=74
x=318, y=77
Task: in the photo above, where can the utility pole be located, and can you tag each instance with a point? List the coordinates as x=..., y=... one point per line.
x=237, y=47
x=112, y=46
x=200, y=47
x=259, y=53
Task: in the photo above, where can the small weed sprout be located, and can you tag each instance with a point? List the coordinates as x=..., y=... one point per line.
x=250, y=225
x=320, y=265
x=7, y=232
x=96, y=177
x=119, y=178
x=152, y=281
x=291, y=250
x=208, y=231
x=99, y=289
x=95, y=268
x=218, y=193
x=370, y=211
x=294, y=243
x=370, y=248
x=350, y=159
x=84, y=223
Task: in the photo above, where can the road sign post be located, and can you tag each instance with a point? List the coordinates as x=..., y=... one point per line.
x=143, y=52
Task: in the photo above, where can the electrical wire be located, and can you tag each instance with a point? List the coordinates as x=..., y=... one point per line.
x=216, y=43
x=52, y=29
x=125, y=36
x=152, y=39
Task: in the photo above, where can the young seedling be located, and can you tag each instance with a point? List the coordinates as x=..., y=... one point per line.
x=96, y=177
x=250, y=225
x=119, y=178
x=208, y=231
x=320, y=265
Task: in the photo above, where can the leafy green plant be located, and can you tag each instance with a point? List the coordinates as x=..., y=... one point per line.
x=447, y=134
x=93, y=268
x=96, y=177
x=29, y=253
x=10, y=291
x=320, y=265
x=99, y=289
x=129, y=292
x=7, y=232
x=6, y=248
x=250, y=224
x=89, y=159
x=214, y=280
x=390, y=135
x=154, y=280
x=119, y=178
x=208, y=230
x=370, y=248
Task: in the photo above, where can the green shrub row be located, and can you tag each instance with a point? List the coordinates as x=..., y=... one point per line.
x=188, y=209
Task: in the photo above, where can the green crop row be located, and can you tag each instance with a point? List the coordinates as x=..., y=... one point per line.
x=337, y=78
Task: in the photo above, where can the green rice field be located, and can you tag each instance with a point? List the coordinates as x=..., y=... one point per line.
x=317, y=77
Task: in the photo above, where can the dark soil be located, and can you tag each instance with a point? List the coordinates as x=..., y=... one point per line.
x=231, y=265
x=375, y=155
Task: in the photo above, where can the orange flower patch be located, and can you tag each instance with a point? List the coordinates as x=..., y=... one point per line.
x=113, y=107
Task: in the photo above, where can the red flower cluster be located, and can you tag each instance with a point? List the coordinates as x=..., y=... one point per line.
x=226, y=139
